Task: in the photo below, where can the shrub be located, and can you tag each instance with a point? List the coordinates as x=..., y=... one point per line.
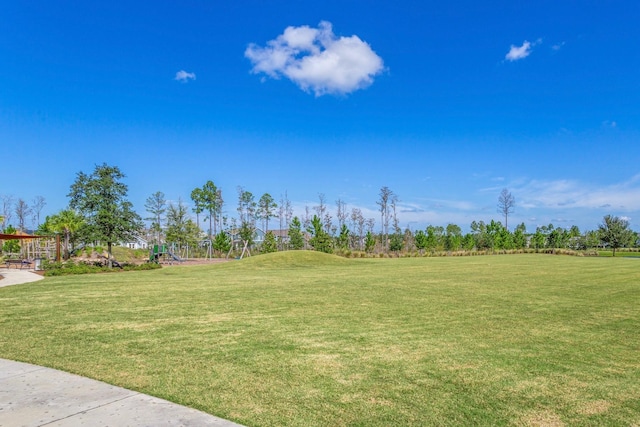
x=70, y=267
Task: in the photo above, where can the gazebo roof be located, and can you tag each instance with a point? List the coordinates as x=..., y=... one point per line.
x=20, y=236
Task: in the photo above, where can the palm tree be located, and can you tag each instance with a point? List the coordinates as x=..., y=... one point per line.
x=66, y=221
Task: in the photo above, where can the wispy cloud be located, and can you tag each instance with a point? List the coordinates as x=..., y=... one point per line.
x=538, y=202
x=183, y=76
x=517, y=53
x=558, y=46
x=317, y=60
x=564, y=194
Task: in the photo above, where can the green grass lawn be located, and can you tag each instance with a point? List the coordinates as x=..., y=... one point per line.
x=306, y=339
x=625, y=253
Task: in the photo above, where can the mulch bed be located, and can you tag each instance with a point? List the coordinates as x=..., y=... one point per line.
x=200, y=261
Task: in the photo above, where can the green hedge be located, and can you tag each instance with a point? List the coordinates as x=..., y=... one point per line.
x=71, y=267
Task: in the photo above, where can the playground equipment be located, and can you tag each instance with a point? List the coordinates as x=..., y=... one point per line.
x=32, y=249
x=245, y=248
x=161, y=253
x=208, y=244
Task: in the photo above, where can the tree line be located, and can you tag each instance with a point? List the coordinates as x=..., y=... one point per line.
x=99, y=211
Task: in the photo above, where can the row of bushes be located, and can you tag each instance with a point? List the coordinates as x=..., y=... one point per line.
x=361, y=254
x=84, y=267
x=71, y=267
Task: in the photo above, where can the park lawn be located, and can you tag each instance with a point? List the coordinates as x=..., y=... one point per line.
x=625, y=253
x=307, y=339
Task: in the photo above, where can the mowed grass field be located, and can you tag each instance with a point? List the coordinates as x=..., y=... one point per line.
x=625, y=253
x=307, y=339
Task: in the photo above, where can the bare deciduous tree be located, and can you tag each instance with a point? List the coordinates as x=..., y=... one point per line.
x=506, y=203
x=37, y=205
x=321, y=210
x=358, y=221
x=370, y=224
x=288, y=211
x=394, y=205
x=306, y=220
x=321, y=207
x=7, y=210
x=341, y=213
x=285, y=211
x=22, y=211
x=386, y=195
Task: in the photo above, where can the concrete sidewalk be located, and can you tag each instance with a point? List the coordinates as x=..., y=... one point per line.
x=14, y=276
x=32, y=396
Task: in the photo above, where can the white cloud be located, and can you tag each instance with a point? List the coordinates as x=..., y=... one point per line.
x=519, y=52
x=317, y=60
x=558, y=46
x=183, y=76
x=564, y=194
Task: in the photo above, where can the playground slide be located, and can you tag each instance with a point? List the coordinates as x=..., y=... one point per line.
x=174, y=256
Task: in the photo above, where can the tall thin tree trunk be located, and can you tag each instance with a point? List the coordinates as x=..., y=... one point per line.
x=66, y=244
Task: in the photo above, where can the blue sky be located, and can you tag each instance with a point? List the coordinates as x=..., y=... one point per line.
x=446, y=103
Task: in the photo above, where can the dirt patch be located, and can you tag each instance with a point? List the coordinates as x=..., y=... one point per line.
x=542, y=419
x=595, y=407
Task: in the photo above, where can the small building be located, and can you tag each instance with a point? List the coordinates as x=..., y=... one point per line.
x=258, y=236
x=137, y=242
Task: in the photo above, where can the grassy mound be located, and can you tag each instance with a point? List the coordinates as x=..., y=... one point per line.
x=295, y=259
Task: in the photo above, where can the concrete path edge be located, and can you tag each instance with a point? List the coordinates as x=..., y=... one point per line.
x=35, y=396
x=14, y=276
